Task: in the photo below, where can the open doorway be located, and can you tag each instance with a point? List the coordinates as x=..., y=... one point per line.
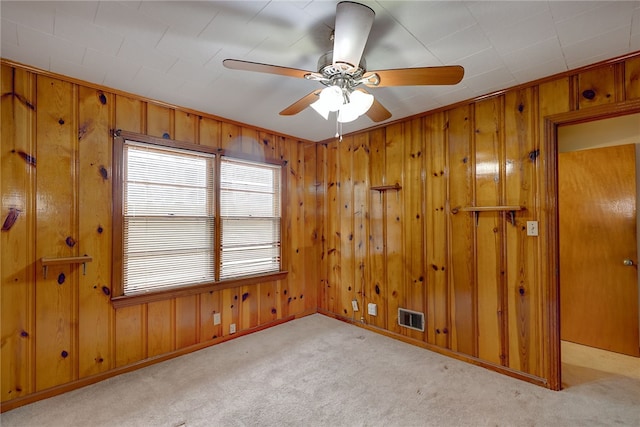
x=598, y=248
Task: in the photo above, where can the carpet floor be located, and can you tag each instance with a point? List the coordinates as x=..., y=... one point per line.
x=318, y=371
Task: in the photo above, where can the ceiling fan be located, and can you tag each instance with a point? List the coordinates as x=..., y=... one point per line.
x=343, y=71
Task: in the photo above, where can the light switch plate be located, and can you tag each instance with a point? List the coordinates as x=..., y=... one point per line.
x=532, y=228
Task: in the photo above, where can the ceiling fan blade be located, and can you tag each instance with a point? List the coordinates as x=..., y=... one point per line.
x=236, y=64
x=301, y=104
x=376, y=112
x=447, y=75
x=353, y=24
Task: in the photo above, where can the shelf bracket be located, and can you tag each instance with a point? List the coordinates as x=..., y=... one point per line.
x=46, y=262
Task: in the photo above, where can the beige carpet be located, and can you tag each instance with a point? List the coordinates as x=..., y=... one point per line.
x=317, y=371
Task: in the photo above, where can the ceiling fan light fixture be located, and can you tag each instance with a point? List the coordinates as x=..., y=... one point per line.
x=332, y=97
x=359, y=103
x=321, y=108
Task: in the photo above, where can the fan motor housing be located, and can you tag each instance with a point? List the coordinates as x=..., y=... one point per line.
x=329, y=70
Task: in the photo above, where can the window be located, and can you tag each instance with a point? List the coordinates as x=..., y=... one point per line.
x=168, y=215
x=250, y=211
x=167, y=232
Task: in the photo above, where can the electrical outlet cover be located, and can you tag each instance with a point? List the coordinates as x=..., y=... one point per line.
x=354, y=304
x=372, y=309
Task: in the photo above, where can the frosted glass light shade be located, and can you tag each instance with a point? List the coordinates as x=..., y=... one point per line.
x=321, y=108
x=332, y=97
x=359, y=103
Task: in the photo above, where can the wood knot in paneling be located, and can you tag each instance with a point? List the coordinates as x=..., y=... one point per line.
x=11, y=218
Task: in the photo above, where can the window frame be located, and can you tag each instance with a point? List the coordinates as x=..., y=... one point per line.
x=118, y=298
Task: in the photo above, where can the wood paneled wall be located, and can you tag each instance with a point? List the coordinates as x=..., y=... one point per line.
x=57, y=202
x=477, y=276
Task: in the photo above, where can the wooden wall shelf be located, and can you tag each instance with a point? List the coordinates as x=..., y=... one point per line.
x=381, y=188
x=46, y=262
x=491, y=208
x=477, y=209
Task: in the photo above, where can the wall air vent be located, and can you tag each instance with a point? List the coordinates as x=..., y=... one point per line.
x=411, y=319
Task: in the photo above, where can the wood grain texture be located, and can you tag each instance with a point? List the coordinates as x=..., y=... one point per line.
x=490, y=274
x=345, y=286
x=361, y=194
x=596, y=87
x=160, y=121
x=210, y=304
x=186, y=321
x=377, y=230
x=209, y=132
x=597, y=211
x=312, y=214
x=186, y=127
x=130, y=114
x=632, y=78
x=436, y=232
x=332, y=239
x=523, y=294
x=462, y=236
x=322, y=187
x=56, y=296
x=554, y=97
x=160, y=330
x=394, y=238
x=413, y=189
x=95, y=316
x=17, y=184
x=70, y=322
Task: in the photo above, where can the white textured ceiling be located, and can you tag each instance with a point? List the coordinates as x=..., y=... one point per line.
x=173, y=51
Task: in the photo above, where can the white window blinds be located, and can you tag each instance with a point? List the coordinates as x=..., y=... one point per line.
x=168, y=218
x=250, y=218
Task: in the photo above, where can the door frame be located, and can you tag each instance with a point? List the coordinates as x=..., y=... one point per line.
x=550, y=250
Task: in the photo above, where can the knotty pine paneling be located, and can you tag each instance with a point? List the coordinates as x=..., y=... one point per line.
x=95, y=317
x=186, y=126
x=345, y=287
x=54, y=334
x=462, y=270
x=523, y=289
x=160, y=335
x=377, y=230
x=332, y=230
x=485, y=290
x=311, y=235
x=57, y=161
x=17, y=238
x=56, y=298
x=394, y=234
x=160, y=121
x=597, y=87
x=360, y=238
x=413, y=295
x=632, y=78
x=435, y=207
x=489, y=230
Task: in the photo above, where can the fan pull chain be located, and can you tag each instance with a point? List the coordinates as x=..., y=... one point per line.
x=338, y=129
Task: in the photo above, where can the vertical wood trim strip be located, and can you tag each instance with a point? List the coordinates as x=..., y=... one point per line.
x=75, y=228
